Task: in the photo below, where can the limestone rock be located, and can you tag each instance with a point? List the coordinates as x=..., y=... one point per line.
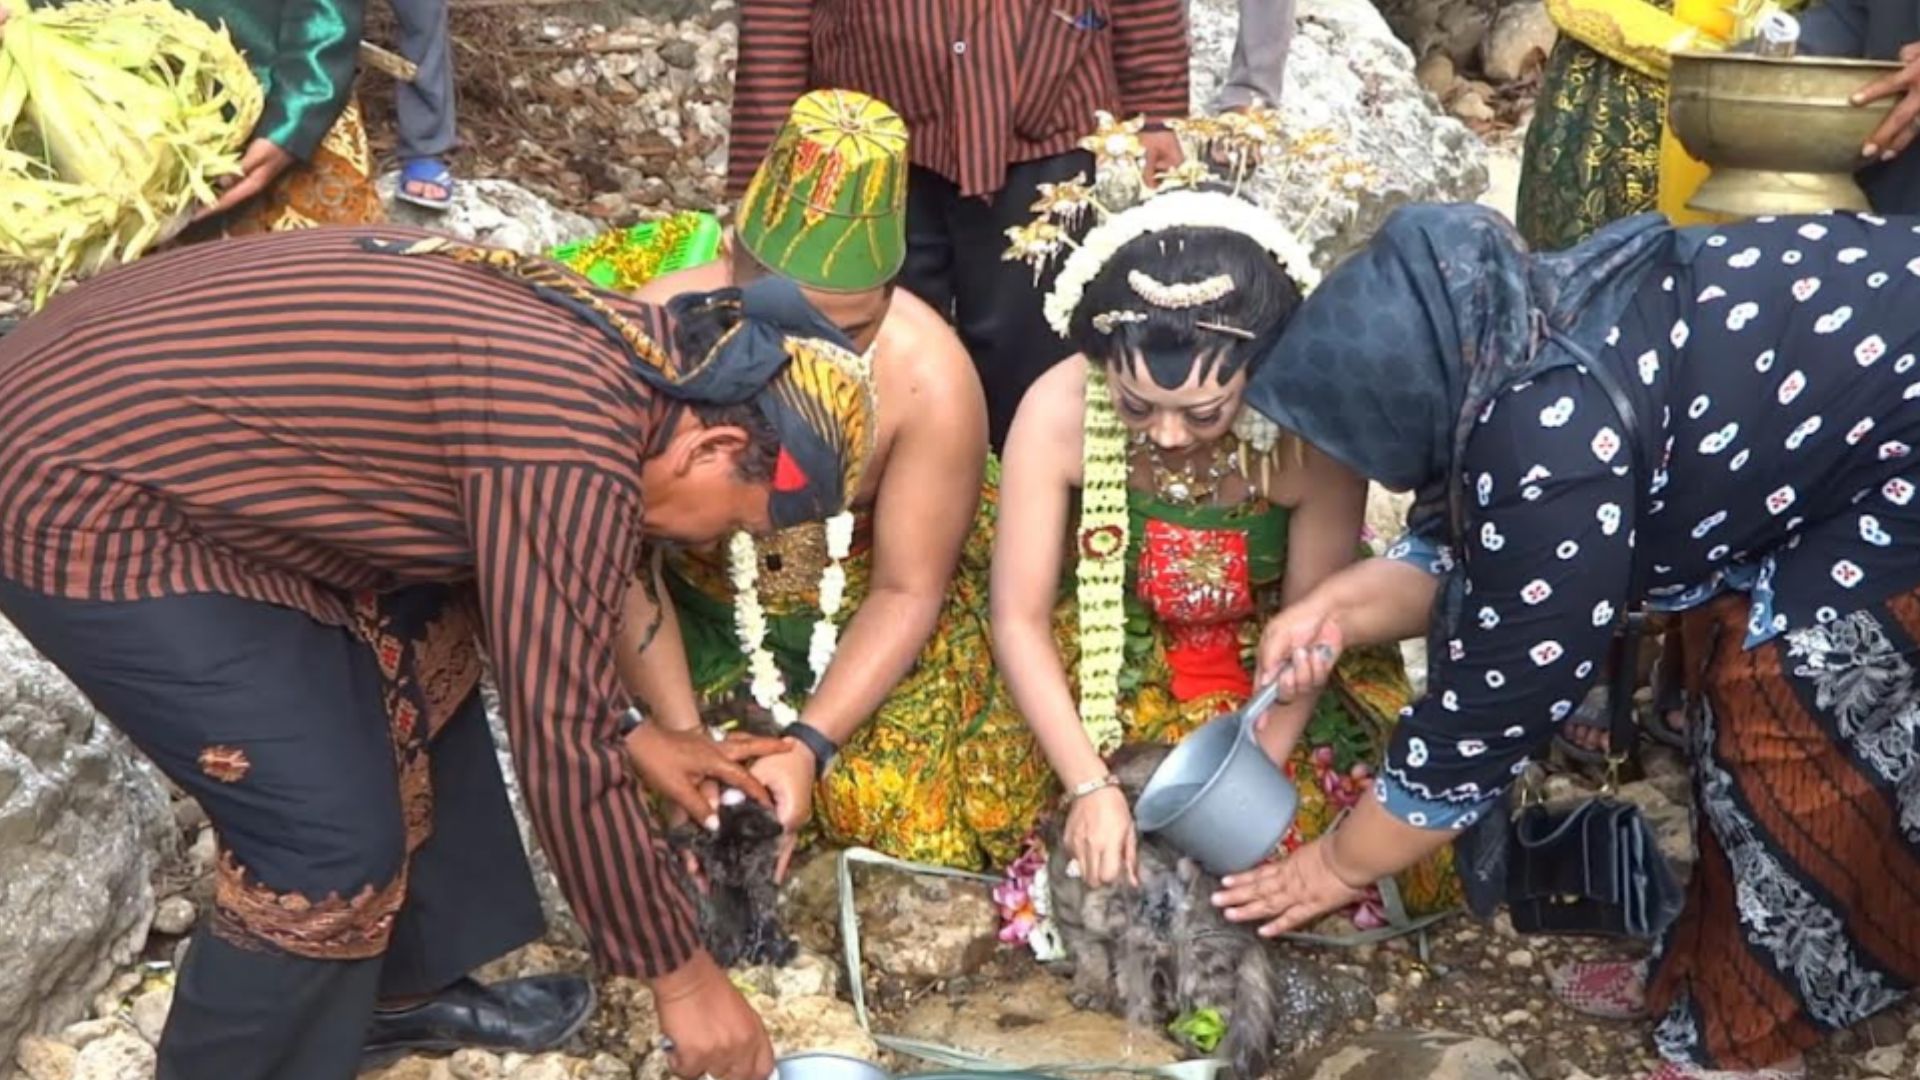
x=84, y=822
x=813, y=1023
x=543, y=1067
x=120, y=1056
x=1031, y=1022
x=1348, y=74
x=471, y=1064
x=1522, y=36
x=150, y=1012
x=45, y=1059
x=607, y=1067
x=911, y=926
x=1885, y=1060
x=496, y=212
x=1417, y=1055
x=412, y=1068
x=807, y=975
x=174, y=916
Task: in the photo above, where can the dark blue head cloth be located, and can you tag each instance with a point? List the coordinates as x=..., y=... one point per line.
x=1389, y=361
x=731, y=346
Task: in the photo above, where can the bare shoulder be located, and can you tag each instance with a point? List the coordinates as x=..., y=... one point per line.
x=925, y=349
x=703, y=278
x=1298, y=473
x=1049, y=430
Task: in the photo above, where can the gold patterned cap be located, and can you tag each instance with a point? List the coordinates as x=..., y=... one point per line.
x=828, y=206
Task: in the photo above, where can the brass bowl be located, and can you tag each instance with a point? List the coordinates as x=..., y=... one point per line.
x=1780, y=134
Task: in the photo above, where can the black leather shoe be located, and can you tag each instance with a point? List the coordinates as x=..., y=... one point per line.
x=525, y=1016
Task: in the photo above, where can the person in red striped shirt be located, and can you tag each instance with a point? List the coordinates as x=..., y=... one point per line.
x=263, y=500
x=997, y=97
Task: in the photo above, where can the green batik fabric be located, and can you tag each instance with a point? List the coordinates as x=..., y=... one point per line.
x=1593, y=152
x=304, y=52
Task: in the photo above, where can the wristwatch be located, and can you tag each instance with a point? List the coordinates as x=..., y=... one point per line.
x=823, y=748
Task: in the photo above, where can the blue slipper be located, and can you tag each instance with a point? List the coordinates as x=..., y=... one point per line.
x=426, y=182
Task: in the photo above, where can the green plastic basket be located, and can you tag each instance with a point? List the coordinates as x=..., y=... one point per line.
x=700, y=246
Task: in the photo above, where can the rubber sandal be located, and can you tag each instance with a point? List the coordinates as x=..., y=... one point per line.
x=1673, y=1070
x=1606, y=989
x=1593, y=714
x=421, y=173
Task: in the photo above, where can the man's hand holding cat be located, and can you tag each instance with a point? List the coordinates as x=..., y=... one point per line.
x=1288, y=893
x=1101, y=838
x=674, y=764
x=789, y=778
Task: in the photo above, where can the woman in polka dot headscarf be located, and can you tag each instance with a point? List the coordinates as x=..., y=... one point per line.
x=1766, y=374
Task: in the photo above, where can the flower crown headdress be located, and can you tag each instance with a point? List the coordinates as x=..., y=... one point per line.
x=1222, y=156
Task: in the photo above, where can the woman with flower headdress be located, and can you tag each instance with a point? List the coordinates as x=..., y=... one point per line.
x=1196, y=518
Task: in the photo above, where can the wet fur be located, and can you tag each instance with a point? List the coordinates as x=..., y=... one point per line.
x=739, y=912
x=1155, y=953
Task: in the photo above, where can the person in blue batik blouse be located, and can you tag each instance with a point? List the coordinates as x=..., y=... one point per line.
x=1771, y=368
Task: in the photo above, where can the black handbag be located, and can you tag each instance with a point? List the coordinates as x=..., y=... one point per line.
x=1595, y=868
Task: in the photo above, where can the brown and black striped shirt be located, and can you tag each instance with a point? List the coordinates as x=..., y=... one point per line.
x=291, y=418
x=980, y=83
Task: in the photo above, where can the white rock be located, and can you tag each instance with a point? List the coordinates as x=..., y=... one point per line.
x=471, y=1064
x=174, y=917
x=120, y=1056
x=87, y=1032
x=1522, y=36
x=496, y=212
x=543, y=1067
x=149, y=1012
x=1520, y=958
x=1884, y=1059
x=607, y=1067
x=84, y=822
x=1347, y=73
x=204, y=854
x=42, y=1058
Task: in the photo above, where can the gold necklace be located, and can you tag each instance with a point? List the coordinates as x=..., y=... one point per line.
x=1193, y=481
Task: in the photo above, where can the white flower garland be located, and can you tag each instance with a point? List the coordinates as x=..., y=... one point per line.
x=765, y=683
x=1174, y=210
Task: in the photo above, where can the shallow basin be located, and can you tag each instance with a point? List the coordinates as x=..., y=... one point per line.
x=826, y=1066
x=1780, y=133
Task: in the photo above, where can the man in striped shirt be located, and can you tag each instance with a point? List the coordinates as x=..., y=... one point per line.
x=997, y=95
x=260, y=498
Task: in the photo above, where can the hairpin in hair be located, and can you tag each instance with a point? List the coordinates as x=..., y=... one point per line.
x=1181, y=295
x=1223, y=328
x=1107, y=320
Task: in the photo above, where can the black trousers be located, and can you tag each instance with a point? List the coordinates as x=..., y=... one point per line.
x=276, y=723
x=954, y=262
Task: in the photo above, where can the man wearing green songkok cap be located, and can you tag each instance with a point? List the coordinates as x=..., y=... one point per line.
x=826, y=210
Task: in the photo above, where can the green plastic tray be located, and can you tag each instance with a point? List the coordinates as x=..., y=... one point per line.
x=700, y=247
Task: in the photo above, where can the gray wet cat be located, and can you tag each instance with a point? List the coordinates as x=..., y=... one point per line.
x=1163, y=950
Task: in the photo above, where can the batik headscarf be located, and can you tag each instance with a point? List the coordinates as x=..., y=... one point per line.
x=1390, y=361
x=762, y=344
